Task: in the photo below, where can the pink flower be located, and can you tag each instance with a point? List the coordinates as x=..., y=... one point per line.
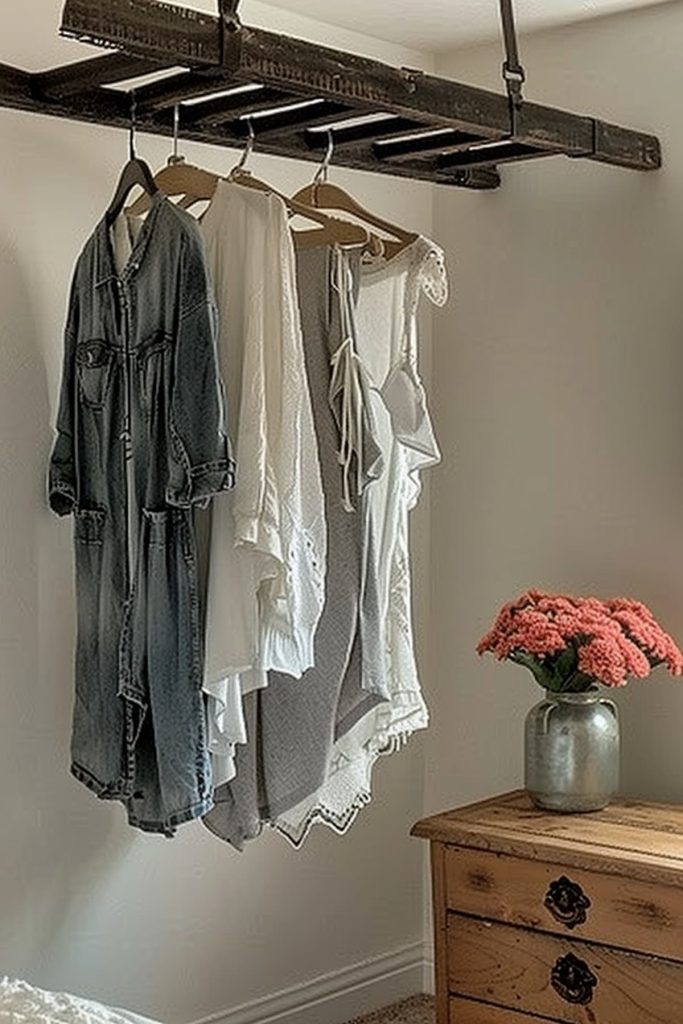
x=638, y=622
x=603, y=660
x=612, y=659
x=605, y=641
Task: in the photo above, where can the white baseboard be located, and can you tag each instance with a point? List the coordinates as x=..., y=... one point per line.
x=428, y=972
x=339, y=996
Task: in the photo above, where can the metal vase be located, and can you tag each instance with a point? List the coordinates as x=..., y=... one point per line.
x=572, y=752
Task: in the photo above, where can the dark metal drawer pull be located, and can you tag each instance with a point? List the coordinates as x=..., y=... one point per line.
x=573, y=980
x=567, y=902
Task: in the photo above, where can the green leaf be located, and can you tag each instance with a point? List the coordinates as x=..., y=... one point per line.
x=539, y=671
x=578, y=683
x=564, y=666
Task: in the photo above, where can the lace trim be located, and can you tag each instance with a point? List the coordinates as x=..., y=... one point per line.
x=433, y=277
x=340, y=821
x=348, y=789
x=427, y=274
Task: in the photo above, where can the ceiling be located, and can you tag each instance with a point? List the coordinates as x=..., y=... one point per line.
x=427, y=25
x=439, y=25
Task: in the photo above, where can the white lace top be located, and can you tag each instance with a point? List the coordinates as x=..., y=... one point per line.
x=267, y=562
x=387, y=344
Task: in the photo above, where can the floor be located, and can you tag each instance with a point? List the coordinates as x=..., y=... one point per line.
x=416, y=1010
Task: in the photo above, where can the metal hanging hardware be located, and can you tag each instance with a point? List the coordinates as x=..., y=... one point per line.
x=228, y=13
x=322, y=174
x=514, y=74
x=240, y=166
x=176, y=157
x=229, y=22
x=133, y=124
x=433, y=129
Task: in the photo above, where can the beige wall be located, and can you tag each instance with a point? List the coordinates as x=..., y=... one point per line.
x=558, y=382
x=556, y=398
x=175, y=929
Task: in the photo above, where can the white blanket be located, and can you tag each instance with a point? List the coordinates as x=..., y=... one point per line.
x=21, y=1003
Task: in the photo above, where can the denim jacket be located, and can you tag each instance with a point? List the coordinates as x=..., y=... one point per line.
x=140, y=441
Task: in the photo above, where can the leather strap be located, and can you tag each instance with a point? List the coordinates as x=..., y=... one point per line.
x=514, y=74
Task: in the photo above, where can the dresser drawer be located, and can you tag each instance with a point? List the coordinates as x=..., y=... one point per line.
x=574, y=982
x=590, y=905
x=464, y=1011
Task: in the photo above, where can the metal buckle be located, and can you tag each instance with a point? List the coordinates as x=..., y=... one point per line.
x=229, y=21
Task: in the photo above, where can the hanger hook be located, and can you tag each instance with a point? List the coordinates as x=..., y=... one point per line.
x=321, y=173
x=175, y=157
x=249, y=148
x=133, y=124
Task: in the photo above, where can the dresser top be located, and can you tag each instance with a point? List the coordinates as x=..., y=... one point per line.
x=629, y=837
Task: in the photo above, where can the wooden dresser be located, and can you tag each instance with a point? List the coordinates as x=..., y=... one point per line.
x=547, y=917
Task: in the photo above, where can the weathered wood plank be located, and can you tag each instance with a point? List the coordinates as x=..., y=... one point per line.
x=428, y=144
x=490, y=156
x=146, y=28
x=14, y=84
x=370, y=131
x=149, y=28
x=513, y=967
x=70, y=79
x=371, y=85
x=369, y=155
x=440, y=926
x=642, y=916
x=321, y=113
x=186, y=85
x=643, y=841
x=294, y=147
x=469, y=1011
x=111, y=108
x=615, y=145
x=366, y=84
x=158, y=34
x=100, y=106
x=226, y=108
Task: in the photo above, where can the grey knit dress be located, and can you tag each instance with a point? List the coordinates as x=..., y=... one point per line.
x=293, y=723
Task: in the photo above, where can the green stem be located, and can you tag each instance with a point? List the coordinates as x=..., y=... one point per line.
x=540, y=673
x=578, y=682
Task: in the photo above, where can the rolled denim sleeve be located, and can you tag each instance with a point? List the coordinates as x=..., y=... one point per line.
x=62, y=476
x=200, y=463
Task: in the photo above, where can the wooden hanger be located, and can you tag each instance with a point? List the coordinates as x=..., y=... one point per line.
x=135, y=173
x=322, y=194
x=196, y=185
x=331, y=230
x=178, y=178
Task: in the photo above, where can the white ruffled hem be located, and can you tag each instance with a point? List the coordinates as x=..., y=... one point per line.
x=348, y=788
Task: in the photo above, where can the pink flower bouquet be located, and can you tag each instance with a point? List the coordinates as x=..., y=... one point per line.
x=570, y=643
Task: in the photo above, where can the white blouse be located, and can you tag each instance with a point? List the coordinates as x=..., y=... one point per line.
x=266, y=585
x=387, y=343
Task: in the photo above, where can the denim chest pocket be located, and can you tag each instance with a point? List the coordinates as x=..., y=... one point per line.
x=95, y=363
x=89, y=525
x=151, y=362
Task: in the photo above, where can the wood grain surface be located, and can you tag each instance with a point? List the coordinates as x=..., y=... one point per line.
x=512, y=967
x=466, y=1011
x=440, y=917
x=624, y=912
x=639, y=840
